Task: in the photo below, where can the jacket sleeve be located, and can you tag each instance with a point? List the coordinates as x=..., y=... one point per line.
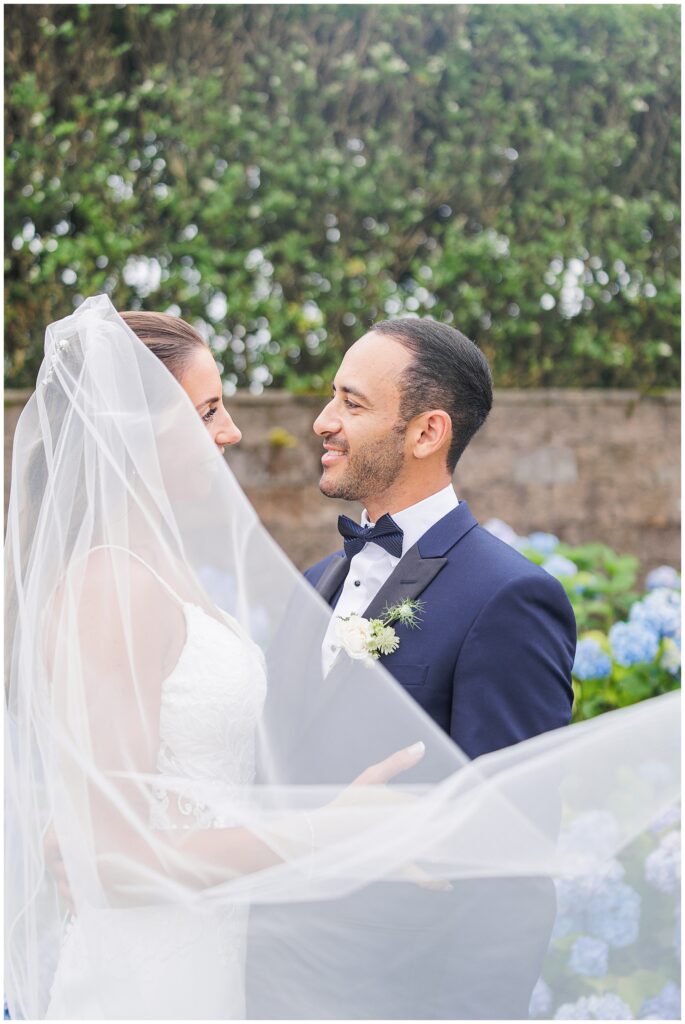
x=512, y=679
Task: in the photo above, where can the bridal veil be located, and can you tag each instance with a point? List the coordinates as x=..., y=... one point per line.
x=452, y=887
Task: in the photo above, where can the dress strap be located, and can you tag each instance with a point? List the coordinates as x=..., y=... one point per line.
x=127, y=551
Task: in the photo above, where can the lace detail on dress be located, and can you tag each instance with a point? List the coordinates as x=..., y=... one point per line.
x=211, y=703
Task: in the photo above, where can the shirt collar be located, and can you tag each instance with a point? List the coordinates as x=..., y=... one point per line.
x=417, y=519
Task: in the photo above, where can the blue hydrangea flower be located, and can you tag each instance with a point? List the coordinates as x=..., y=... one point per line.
x=632, y=643
x=600, y=904
x=594, y=833
x=659, y=611
x=663, y=576
x=591, y=662
x=557, y=565
x=664, y=1006
x=670, y=817
x=613, y=914
x=609, y=1007
x=543, y=543
x=662, y=867
x=605, y=1007
x=579, y=1010
x=540, y=1000
x=589, y=957
x=670, y=656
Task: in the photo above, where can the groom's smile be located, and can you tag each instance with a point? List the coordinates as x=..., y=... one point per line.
x=333, y=453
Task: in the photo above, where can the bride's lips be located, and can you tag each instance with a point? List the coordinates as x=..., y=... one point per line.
x=332, y=455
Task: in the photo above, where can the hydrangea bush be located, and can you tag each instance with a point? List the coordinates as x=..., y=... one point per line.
x=615, y=948
x=621, y=949
x=628, y=642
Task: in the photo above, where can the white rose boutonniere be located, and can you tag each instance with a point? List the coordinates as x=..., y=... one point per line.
x=367, y=639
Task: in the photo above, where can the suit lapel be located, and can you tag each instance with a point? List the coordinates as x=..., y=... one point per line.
x=423, y=561
x=333, y=577
x=409, y=578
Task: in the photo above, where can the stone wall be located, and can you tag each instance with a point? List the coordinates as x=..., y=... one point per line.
x=586, y=465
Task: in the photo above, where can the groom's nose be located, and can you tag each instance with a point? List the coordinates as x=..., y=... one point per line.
x=327, y=422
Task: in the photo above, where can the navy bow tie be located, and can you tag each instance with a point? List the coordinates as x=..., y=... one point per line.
x=386, y=533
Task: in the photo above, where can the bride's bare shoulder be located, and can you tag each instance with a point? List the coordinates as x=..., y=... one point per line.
x=106, y=578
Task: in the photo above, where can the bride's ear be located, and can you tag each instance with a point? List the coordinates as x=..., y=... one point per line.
x=432, y=430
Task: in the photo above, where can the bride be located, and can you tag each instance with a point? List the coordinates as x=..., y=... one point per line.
x=169, y=728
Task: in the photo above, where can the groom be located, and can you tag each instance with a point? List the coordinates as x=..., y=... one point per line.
x=491, y=660
x=490, y=663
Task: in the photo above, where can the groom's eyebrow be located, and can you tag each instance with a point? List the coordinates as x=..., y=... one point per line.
x=347, y=390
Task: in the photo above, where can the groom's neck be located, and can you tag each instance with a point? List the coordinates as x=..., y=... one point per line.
x=403, y=495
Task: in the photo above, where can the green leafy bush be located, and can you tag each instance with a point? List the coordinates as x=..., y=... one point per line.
x=283, y=175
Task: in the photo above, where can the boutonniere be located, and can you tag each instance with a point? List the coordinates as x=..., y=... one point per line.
x=367, y=639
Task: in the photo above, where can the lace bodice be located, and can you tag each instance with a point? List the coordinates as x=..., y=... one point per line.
x=211, y=703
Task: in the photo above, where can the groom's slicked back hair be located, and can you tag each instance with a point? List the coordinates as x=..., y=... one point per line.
x=448, y=372
x=171, y=339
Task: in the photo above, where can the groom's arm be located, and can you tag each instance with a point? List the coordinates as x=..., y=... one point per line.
x=513, y=676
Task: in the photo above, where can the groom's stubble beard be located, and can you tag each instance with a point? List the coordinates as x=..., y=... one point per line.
x=370, y=470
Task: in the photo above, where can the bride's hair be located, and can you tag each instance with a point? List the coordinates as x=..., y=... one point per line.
x=171, y=339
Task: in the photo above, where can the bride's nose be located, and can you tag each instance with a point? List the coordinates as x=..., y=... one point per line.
x=228, y=432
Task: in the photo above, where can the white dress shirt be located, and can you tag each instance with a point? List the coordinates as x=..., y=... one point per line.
x=370, y=567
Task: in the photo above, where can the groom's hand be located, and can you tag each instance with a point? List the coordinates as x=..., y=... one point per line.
x=378, y=775
x=384, y=771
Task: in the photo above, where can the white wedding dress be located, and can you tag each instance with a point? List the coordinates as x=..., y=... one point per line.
x=163, y=962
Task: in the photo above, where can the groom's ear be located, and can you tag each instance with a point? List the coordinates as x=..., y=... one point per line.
x=431, y=431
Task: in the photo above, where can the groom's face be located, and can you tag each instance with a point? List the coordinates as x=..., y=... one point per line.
x=362, y=430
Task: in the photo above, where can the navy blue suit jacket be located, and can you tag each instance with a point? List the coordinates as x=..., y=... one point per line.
x=491, y=664
x=491, y=661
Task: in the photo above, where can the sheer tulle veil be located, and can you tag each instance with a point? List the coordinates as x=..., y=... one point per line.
x=556, y=851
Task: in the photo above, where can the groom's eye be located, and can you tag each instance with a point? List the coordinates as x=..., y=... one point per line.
x=351, y=405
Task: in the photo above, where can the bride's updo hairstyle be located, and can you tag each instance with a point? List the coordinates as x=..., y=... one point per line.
x=171, y=339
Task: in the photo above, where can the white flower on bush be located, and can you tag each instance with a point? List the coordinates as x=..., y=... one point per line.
x=354, y=635
x=557, y=565
x=498, y=528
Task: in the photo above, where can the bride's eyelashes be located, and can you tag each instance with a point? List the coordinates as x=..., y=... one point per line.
x=209, y=415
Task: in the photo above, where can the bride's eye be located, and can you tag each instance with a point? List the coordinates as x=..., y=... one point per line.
x=208, y=415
